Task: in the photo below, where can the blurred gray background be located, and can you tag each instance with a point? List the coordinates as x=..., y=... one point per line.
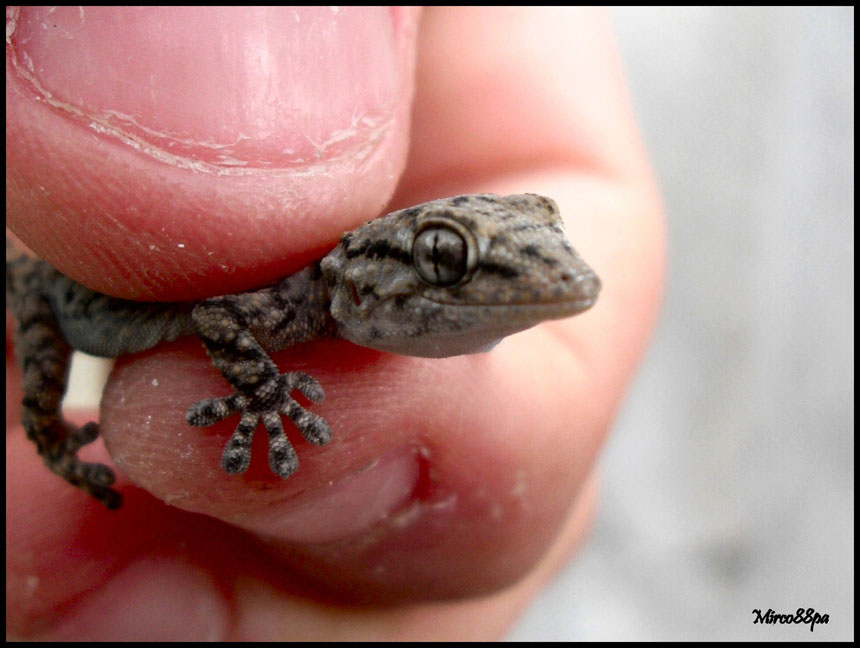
x=728, y=483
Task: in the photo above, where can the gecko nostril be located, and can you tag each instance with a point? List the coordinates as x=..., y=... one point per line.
x=590, y=284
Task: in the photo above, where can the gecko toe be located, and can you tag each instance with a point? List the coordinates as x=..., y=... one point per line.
x=98, y=474
x=211, y=410
x=282, y=457
x=111, y=498
x=236, y=457
x=309, y=386
x=313, y=427
x=85, y=434
x=237, y=453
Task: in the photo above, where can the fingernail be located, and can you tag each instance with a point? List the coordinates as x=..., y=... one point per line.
x=346, y=507
x=233, y=87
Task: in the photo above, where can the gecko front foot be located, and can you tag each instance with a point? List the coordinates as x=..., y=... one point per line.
x=266, y=404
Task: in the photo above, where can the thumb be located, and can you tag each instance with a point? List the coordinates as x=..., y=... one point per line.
x=219, y=150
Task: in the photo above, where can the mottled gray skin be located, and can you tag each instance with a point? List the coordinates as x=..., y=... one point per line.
x=448, y=277
x=516, y=270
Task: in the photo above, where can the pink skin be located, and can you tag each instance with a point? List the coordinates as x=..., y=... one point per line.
x=258, y=136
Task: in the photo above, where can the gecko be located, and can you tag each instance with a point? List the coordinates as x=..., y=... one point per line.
x=448, y=277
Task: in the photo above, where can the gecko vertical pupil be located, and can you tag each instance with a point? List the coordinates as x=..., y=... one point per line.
x=439, y=255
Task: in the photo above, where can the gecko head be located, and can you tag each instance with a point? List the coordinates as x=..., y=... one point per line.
x=455, y=276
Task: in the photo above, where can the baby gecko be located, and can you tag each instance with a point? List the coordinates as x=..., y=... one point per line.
x=447, y=277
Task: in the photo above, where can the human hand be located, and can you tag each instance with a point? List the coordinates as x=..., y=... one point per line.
x=184, y=153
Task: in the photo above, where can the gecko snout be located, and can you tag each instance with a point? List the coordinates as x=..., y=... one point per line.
x=583, y=286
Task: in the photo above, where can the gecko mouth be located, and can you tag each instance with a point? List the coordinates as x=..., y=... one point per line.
x=544, y=310
x=579, y=297
x=514, y=316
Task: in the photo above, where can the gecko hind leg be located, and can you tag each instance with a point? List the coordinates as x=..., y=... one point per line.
x=44, y=356
x=58, y=441
x=62, y=459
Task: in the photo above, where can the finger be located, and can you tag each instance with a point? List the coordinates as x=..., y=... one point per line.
x=51, y=557
x=166, y=578
x=553, y=96
x=75, y=570
x=261, y=607
x=219, y=152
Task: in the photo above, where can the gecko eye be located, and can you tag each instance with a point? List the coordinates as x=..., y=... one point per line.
x=440, y=255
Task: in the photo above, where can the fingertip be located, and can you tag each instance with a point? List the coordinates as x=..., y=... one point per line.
x=220, y=200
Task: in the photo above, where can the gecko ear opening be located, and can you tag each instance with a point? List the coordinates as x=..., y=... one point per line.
x=353, y=291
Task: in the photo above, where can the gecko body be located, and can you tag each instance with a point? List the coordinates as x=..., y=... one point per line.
x=447, y=277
